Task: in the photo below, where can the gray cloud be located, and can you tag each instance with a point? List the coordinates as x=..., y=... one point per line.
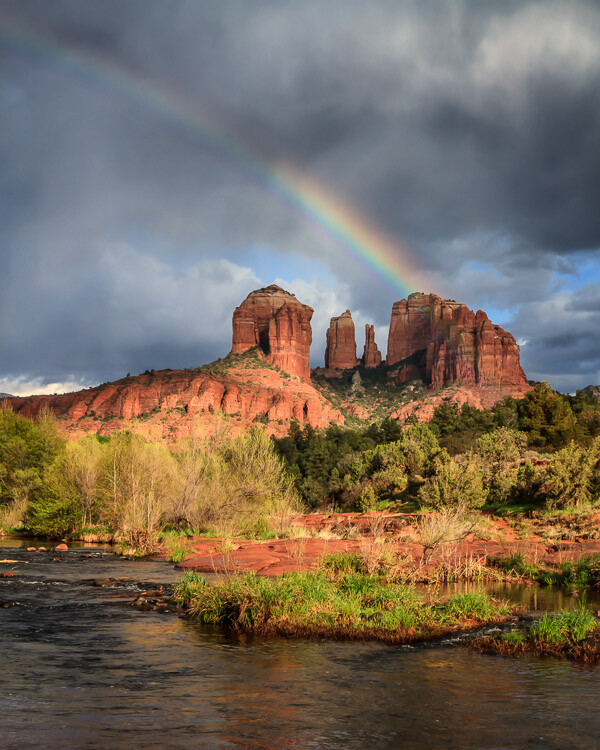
x=468, y=131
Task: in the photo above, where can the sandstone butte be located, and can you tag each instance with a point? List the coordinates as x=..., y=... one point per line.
x=279, y=325
x=459, y=355
x=443, y=342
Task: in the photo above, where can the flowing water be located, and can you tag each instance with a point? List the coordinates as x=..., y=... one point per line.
x=80, y=672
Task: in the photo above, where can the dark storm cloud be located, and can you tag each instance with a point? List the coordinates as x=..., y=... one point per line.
x=468, y=131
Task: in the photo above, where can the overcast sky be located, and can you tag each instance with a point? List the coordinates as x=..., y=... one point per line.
x=468, y=132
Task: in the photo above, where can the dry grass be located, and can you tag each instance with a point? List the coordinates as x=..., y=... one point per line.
x=438, y=531
x=12, y=516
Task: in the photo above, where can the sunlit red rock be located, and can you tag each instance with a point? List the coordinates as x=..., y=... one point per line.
x=371, y=355
x=340, y=352
x=444, y=342
x=279, y=325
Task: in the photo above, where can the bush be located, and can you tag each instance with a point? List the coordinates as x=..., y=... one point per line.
x=454, y=484
x=569, y=477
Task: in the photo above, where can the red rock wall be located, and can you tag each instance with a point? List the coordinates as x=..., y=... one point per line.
x=371, y=355
x=448, y=343
x=178, y=396
x=340, y=352
x=276, y=322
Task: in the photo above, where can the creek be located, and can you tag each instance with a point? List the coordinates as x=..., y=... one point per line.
x=80, y=671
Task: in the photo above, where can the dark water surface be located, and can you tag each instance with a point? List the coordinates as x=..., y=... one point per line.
x=79, y=672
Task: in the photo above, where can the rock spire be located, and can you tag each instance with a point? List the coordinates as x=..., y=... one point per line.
x=371, y=355
x=340, y=352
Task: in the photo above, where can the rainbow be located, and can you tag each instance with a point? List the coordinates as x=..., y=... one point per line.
x=358, y=238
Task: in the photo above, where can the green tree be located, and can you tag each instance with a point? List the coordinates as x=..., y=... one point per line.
x=547, y=418
x=569, y=477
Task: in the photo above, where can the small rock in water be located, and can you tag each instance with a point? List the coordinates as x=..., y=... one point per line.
x=30, y=549
x=41, y=549
x=61, y=548
x=7, y=575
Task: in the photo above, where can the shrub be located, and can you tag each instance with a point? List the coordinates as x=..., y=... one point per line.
x=367, y=500
x=569, y=477
x=454, y=484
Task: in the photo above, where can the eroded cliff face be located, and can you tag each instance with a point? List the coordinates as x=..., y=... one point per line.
x=340, y=352
x=279, y=325
x=443, y=342
x=371, y=355
x=460, y=355
x=172, y=404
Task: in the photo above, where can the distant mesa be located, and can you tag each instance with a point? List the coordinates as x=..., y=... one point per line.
x=6, y=395
x=592, y=390
x=279, y=325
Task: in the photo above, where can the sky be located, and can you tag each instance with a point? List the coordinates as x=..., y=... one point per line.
x=160, y=160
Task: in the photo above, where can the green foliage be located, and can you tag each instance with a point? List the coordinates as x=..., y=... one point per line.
x=578, y=574
x=458, y=427
x=564, y=627
x=343, y=562
x=514, y=638
x=546, y=417
x=475, y=605
x=367, y=500
x=516, y=565
x=177, y=554
x=188, y=586
x=338, y=465
x=332, y=599
x=569, y=477
x=26, y=449
x=51, y=514
x=454, y=484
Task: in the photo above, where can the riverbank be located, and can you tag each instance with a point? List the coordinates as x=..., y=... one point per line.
x=516, y=548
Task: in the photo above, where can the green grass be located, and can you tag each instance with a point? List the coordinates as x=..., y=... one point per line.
x=514, y=638
x=516, y=565
x=177, y=554
x=188, y=586
x=336, y=601
x=582, y=573
x=343, y=562
x=564, y=627
x=475, y=605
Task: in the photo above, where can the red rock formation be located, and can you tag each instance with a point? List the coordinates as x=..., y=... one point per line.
x=340, y=352
x=279, y=325
x=444, y=342
x=371, y=355
x=171, y=404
